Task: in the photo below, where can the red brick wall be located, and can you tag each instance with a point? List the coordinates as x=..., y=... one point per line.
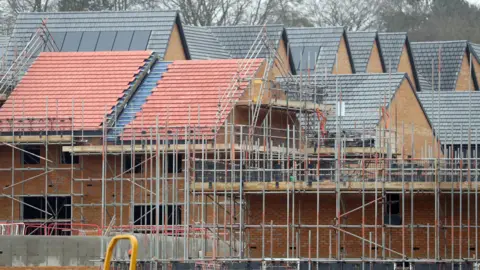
x=306, y=214
x=60, y=181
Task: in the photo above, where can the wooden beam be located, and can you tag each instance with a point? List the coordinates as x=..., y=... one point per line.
x=37, y=139
x=290, y=104
x=86, y=149
x=208, y=147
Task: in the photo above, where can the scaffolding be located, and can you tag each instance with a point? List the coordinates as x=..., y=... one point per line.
x=291, y=196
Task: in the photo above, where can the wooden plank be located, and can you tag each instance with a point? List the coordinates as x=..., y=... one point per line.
x=292, y=105
x=208, y=147
x=36, y=139
x=84, y=149
x=301, y=105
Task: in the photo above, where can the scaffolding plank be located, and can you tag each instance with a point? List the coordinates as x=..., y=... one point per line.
x=36, y=139
x=328, y=186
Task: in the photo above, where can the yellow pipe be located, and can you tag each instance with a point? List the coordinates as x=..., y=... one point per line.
x=111, y=245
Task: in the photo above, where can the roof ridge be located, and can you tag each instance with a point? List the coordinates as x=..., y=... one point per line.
x=243, y=25
x=440, y=41
x=361, y=74
x=316, y=27
x=365, y=31
x=392, y=33
x=97, y=11
x=370, y=74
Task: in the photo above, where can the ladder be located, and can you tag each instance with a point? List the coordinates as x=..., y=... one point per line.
x=226, y=99
x=272, y=53
x=41, y=40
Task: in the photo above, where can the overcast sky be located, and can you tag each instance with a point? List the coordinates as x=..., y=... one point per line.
x=474, y=1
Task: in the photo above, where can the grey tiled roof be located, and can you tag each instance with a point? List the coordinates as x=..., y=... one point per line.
x=363, y=94
x=475, y=49
x=392, y=47
x=203, y=45
x=328, y=38
x=458, y=112
x=159, y=22
x=3, y=44
x=361, y=45
x=452, y=53
x=238, y=39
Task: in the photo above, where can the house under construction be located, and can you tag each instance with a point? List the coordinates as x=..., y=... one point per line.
x=235, y=147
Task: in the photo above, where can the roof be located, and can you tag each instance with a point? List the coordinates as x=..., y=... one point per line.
x=452, y=53
x=143, y=29
x=361, y=46
x=189, y=94
x=363, y=95
x=324, y=41
x=392, y=47
x=475, y=49
x=3, y=44
x=203, y=45
x=238, y=39
x=136, y=101
x=84, y=86
x=458, y=113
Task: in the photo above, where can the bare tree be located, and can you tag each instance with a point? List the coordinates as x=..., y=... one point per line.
x=352, y=14
x=17, y=6
x=194, y=12
x=232, y=12
x=404, y=15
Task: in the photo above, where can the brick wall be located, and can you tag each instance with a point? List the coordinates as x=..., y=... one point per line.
x=87, y=192
x=175, y=50
x=405, y=112
x=305, y=211
x=344, y=64
x=405, y=65
x=374, y=62
x=465, y=80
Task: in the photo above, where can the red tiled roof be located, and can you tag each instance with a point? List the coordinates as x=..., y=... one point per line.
x=189, y=92
x=91, y=82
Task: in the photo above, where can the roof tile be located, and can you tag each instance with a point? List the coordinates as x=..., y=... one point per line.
x=203, y=45
x=239, y=39
x=455, y=115
x=61, y=86
x=188, y=95
x=363, y=95
x=392, y=47
x=326, y=38
x=452, y=53
x=361, y=46
x=160, y=23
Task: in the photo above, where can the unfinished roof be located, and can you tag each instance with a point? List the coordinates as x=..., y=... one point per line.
x=459, y=112
x=203, y=45
x=138, y=98
x=392, y=47
x=308, y=43
x=189, y=94
x=59, y=86
x=361, y=46
x=451, y=55
x=238, y=39
x=99, y=31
